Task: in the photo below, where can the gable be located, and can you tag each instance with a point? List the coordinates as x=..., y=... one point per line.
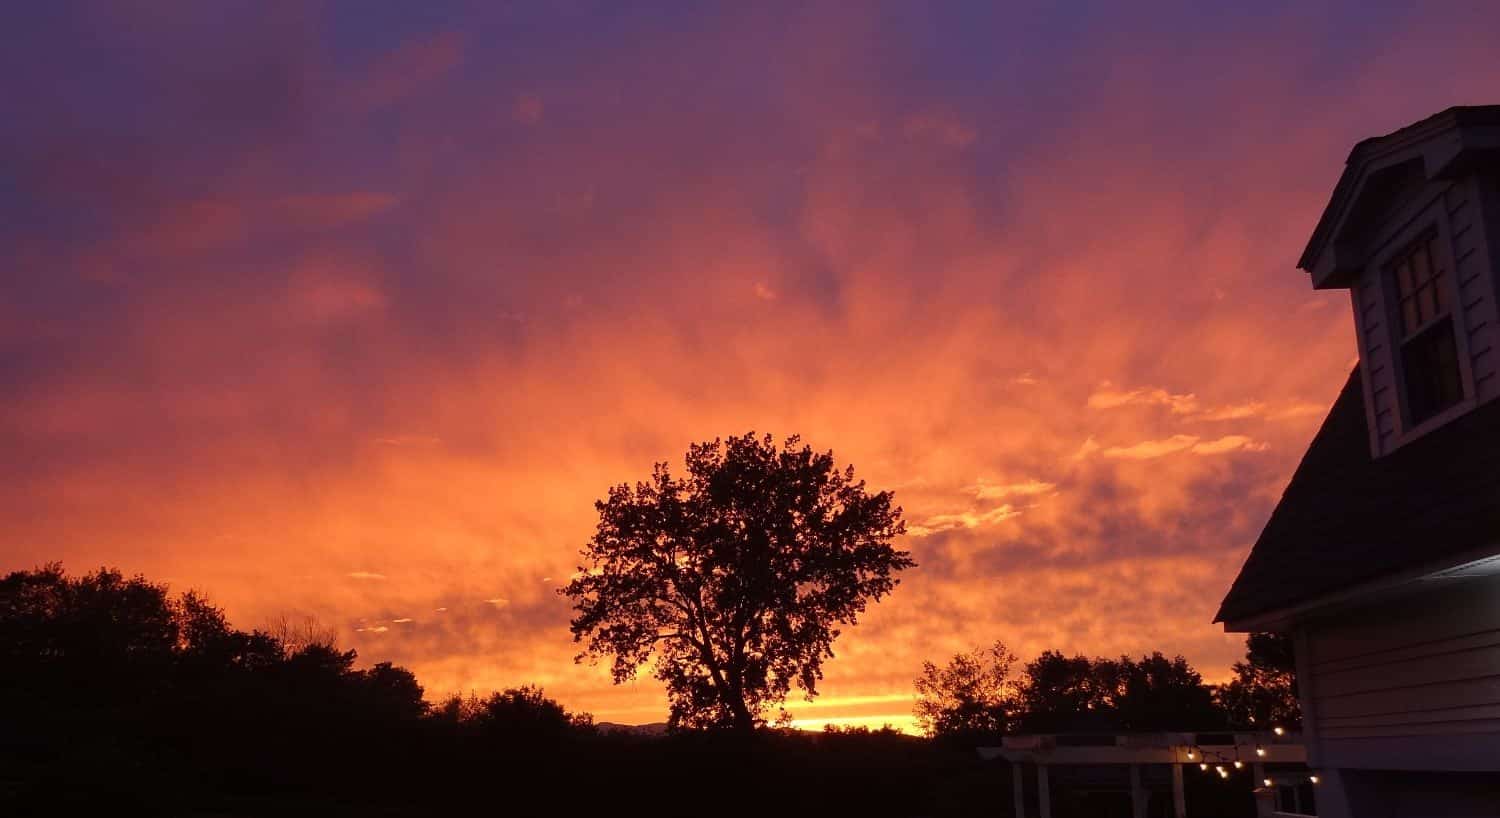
x=1380, y=169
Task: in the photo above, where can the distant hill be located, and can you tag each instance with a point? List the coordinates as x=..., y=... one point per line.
x=655, y=728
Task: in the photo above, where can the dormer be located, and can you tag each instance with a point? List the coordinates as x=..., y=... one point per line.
x=1413, y=232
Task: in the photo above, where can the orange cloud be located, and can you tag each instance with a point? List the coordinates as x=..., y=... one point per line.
x=965, y=519
x=985, y=490
x=1151, y=449
x=1107, y=398
x=357, y=323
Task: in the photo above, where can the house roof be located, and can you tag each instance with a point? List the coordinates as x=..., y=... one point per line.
x=1380, y=166
x=1347, y=518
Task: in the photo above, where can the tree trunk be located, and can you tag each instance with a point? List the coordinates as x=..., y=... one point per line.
x=744, y=722
x=734, y=697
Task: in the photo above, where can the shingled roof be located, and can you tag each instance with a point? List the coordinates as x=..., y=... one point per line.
x=1347, y=518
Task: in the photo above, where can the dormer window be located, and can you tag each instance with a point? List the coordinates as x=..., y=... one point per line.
x=1429, y=354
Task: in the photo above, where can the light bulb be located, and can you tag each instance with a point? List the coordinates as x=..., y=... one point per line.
x=1238, y=765
x=1223, y=773
x=1203, y=765
x=1280, y=731
x=1313, y=779
x=1190, y=755
x=1268, y=782
x=1260, y=751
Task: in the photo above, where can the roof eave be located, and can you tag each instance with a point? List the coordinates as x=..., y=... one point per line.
x=1413, y=579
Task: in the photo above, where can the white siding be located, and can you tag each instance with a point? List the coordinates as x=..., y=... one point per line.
x=1475, y=277
x=1466, y=213
x=1375, y=358
x=1386, y=682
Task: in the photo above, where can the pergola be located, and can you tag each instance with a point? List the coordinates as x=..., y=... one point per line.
x=1221, y=752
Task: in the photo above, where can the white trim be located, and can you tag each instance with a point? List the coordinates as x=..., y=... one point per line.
x=1398, y=242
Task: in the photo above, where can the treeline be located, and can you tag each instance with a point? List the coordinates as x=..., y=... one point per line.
x=117, y=697
x=115, y=690
x=987, y=693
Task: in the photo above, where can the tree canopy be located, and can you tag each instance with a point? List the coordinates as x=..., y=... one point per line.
x=1263, y=691
x=735, y=577
x=977, y=695
x=970, y=697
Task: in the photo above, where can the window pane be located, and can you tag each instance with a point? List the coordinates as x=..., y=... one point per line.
x=1439, y=294
x=1403, y=277
x=1420, y=268
x=1430, y=364
x=1408, y=315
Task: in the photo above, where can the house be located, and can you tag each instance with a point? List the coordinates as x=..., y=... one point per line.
x=1383, y=556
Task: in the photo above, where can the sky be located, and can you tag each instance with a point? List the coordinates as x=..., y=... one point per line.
x=350, y=310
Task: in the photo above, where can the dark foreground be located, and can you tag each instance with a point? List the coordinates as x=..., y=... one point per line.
x=119, y=699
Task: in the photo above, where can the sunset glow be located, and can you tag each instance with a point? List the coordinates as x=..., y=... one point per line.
x=353, y=315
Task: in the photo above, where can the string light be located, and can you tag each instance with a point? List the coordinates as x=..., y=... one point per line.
x=1203, y=766
x=1313, y=779
x=1191, y=754
x=1268, y=782
x=1223, y=773
x=1239, y=765
x=1260, y=751
x=1278, y=730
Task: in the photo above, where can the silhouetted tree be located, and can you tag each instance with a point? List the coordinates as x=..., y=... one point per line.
x=1157, y=693
x=527, y=711
x=972, y=697
x=296, y=634
x=392, y=692
x=1057, y=693
x=60, y=637
x=102, y=655
x=735, y=577
x=1263, y=692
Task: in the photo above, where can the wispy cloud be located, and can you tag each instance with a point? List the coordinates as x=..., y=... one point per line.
x=1230, y=443
x=1107, y=397
x=963, y=520
x=366, y=575
x=1189, y=407
x=1299, y=410
x=408, y=440
x=1151, y=449
x=1237, y=411
x=985, y=490
x=1085, y=449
